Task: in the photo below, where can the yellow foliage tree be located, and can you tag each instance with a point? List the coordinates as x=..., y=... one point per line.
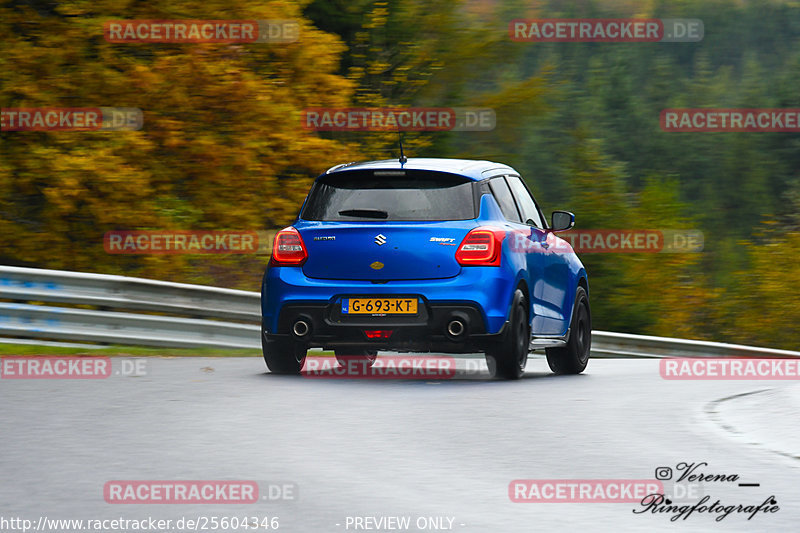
x=222, y=145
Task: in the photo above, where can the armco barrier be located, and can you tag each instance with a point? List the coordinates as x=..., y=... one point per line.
x=143, y=312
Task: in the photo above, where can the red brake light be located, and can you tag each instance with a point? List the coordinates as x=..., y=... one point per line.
x=481, y=247
x=288, y=248
x=378, y=333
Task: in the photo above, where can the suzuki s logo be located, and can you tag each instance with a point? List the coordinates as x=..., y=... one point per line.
x=380, y=239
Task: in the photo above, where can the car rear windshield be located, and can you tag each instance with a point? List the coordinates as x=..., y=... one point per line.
x=390, y=195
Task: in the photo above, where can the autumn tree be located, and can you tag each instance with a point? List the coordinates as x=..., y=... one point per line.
x=221, y=148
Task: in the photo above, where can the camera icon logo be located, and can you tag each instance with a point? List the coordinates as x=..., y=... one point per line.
x=663, y=473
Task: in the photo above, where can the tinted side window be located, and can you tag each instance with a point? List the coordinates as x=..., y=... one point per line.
x=503, y=196
x=525, y=202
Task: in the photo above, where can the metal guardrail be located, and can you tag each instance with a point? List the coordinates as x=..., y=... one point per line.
x=121, y=292
x=43, y=322
x=184, y=310
x=608, y=344
x=183, y=315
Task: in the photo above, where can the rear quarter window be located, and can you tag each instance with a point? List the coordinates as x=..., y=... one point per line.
x=414, y=196
x=525, y=202
x=504, y=199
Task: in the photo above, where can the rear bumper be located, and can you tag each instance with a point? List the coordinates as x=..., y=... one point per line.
x=431, y=330
x=479, y=297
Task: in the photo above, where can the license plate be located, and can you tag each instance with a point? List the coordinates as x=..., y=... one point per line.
x=379, y=306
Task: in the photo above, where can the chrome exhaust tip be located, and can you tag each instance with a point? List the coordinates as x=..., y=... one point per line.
x=456, y=328
x=301, y=328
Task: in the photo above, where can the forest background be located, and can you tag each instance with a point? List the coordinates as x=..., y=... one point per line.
x=222, y=145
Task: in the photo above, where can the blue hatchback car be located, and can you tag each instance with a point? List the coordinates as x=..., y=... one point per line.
x=425, y=255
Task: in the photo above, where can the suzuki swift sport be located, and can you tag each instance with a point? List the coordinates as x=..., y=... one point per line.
x=425, y=255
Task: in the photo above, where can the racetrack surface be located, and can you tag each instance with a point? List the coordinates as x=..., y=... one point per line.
x=381, y=448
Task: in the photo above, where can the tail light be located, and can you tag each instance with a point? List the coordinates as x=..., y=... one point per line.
x=481, y=247
x=288, y=248
x=378, y=333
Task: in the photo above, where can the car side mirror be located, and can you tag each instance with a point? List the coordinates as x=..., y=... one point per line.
x=561, y=221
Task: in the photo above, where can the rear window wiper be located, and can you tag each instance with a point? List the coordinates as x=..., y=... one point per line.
x=364, y=213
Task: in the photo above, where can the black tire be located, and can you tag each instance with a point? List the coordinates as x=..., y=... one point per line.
x=572, y=358
x=343, y=355
x=508, y=357
x=283, y=356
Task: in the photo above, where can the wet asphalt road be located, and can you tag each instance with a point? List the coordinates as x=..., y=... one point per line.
x=437, y=452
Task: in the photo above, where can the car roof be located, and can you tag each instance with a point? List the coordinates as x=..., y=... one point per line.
x=472, y=169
